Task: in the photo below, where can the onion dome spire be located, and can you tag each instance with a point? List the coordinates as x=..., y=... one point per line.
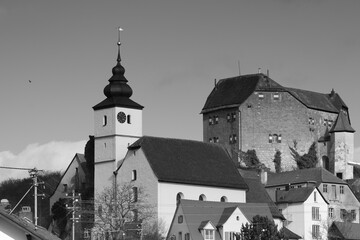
x=118, y=86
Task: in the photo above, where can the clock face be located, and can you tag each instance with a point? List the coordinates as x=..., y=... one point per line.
x=121, y=117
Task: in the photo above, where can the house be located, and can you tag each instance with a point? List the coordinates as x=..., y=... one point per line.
x=305, y=210
x=343, y=204
x=13, y=227
x=213, y=220
x=172, y=169
x=74, y=178
x=254, y=112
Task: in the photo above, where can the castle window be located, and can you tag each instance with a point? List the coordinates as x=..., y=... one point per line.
x=216, y=119
x=228, y=117
x=261, y=96
x=270, y=138
x=211, y=140
x=233, y=116
x=128, y=119
x=104, y=120
x=311, y=121
x=232, y=138
x=216, y=139
x=279, y=138
x=276, y=96
x=133, y=175
x=211, y=121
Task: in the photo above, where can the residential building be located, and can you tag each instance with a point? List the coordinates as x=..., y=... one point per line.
x=213, y=220
x=172, y=169
x=340, y=230
x=343, y=204
x=305, y=210
x=253, y=112
x=13, y=227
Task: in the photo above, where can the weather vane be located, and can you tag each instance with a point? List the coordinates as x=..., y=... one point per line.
x=119, y=43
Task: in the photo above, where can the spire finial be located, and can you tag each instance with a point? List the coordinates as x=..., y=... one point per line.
x=119, y=43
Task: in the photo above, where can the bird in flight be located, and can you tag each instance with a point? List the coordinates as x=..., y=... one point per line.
x=29, y=81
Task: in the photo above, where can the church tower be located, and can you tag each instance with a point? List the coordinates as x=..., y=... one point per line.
x=118, y=123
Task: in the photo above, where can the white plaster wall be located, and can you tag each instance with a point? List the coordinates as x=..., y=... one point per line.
x=232, y=224
x=135, y=126
x=344, y=153
x=103, y=176
x=294, y=213
x=167, y=197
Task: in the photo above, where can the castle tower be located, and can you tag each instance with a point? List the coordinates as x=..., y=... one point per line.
x=118, y=123
x=342, y=146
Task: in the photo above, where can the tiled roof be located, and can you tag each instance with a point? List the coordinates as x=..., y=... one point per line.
x=345, y=230
x=37, y=232
x=294, y=195
x=190, y=162
x=316, y=175
x=234, y=91
x=313, y=100
x=288, y=234
x=257, y=192
x=342, y=124
x=196, y=212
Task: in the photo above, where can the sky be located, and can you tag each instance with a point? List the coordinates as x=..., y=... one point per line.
x=171, y=50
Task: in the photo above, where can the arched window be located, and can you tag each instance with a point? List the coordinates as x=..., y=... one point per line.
x=202, y=197
x=179, y=196
x=223, y=199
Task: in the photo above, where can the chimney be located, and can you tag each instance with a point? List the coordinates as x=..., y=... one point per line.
x=263, y=177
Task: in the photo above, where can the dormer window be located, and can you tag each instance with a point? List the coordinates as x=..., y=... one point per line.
x=209, y=234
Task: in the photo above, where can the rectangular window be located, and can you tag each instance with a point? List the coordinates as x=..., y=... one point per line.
x=314, y=196
x=210, y=121
x=233, y=116
x=341, y=189
x=315, y=231
x=325, y=188
x=209, y=235
x=228, y=117
x=343, y=214
x=353, y=215
x=334, y=191
x=270, y=138
x=187, y=236
x=261, y=96
x=315, y=213
x=216, y=119
x=331, y=213
x=180, y=235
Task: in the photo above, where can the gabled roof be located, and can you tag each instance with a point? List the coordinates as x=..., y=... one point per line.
x=37, y=232
x=288, y=234
x=295, y=195
x=80, y=158
x=313, y=100
x=316, y=175
x=190, y=162
x=198, y=212
x=342, y=124
x=257, y=192
x=234, y=91
x=345, y=230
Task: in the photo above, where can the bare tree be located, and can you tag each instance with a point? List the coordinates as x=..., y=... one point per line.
x=120, y=212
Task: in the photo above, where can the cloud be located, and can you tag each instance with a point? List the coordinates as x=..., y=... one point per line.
x=53, y=156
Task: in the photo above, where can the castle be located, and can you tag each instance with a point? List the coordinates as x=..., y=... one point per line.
x=255, y=112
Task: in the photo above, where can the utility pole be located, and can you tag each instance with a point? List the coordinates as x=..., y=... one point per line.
x=75, y=200
x=34, y=174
